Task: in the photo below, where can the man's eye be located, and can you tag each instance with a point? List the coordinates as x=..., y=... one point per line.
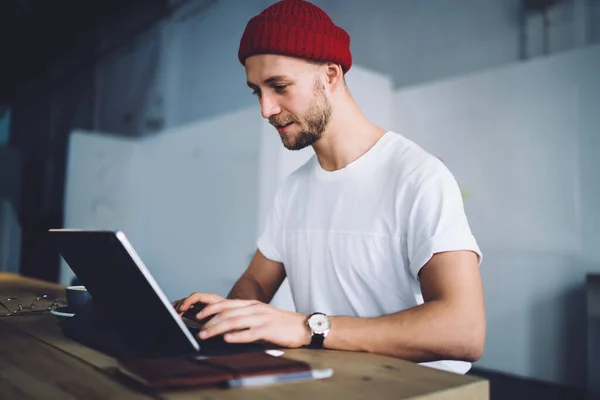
x=279, y=88
x=255, y=93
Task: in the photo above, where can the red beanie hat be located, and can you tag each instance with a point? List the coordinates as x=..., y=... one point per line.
x=296, y=28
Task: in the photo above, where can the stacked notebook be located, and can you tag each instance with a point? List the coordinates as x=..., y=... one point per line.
x=232, y=370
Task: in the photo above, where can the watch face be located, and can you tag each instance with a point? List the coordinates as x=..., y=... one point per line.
x=319, y=323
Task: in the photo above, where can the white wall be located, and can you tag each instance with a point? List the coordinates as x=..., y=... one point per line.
x=523, y=142
x=103, y=188
x=203, y=76
x=186, y=198
x=425, y=40
x=201, y=202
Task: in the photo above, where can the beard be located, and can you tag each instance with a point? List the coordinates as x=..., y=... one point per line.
x=312, y=124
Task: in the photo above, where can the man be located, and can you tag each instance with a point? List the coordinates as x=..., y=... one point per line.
x=371, y=231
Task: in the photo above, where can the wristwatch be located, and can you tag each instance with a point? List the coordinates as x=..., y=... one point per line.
x=319, y=325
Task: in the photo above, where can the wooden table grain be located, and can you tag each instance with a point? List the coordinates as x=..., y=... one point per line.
x=38, y=362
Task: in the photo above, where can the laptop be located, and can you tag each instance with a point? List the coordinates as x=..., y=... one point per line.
x=129, y=314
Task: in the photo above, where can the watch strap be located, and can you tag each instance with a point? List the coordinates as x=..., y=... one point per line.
x=316, y=341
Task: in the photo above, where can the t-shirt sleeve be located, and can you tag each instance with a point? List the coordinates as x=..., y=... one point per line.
x=270, y=241
x=437, y=221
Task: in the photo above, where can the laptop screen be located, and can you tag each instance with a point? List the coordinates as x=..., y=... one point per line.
x=124, y=293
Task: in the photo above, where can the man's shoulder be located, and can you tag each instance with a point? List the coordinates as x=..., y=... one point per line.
x=411, y=162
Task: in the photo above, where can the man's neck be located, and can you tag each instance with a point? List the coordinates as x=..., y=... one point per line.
x=349, y=135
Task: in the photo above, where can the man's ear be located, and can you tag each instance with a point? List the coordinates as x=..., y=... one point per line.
x=335, y=76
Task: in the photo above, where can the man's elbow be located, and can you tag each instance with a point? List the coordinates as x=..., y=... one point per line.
x=472, y=345
x=473, y=351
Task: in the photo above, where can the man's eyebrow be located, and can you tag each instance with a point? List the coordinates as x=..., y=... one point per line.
x=267, y=81
x=274, y=79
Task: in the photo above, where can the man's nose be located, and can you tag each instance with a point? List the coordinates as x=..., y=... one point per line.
x=269, y=107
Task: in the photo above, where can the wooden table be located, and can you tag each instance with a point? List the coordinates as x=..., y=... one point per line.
x=38, y=362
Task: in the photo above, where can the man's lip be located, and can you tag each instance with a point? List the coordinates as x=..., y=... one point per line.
x=285, y=128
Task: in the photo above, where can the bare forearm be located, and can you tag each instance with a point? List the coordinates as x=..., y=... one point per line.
x=247, y=288
x=260, y=281
x=429, y=332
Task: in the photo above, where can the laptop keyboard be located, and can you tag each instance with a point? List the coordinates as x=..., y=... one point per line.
x=215, y=345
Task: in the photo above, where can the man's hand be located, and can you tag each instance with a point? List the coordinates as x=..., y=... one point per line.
x=182, y=305
x=245, y=321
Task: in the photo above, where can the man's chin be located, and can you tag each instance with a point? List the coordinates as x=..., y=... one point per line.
x=298, y=143
x=293, y=146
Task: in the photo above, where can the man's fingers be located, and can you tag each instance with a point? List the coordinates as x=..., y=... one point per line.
x=247, y=336
x=223, y=305
x=176, y=305
x=207, y=298
x=231, y=324
x=252, y=309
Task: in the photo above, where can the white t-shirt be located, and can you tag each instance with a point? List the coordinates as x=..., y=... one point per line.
x=353, y=240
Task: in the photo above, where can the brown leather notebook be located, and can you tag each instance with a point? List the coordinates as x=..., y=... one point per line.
x=172, y=373
x=245, y=365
